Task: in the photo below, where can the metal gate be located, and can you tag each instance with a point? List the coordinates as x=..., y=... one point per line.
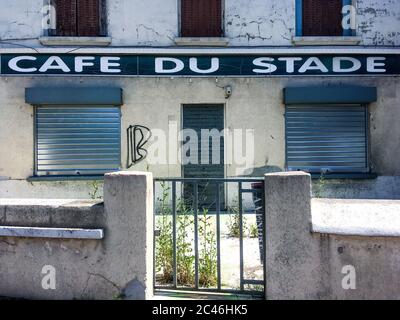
x=194, y=244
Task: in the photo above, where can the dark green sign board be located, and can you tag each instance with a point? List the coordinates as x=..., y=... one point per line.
x=223, y=65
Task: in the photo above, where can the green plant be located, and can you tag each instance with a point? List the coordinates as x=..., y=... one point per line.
x=319, y=186
x=234, y=220
x=94, y=192
x=208, y=252
x=253, y=230
x=184, y=244
x=164, y=246
x=184, y=253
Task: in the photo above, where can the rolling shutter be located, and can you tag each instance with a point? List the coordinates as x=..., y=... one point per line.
x=88, y=18
x=322, y=17
x=201, y=18
x=198, y=117
x=327, y=138
x=77, y=140
x=78, y=18
x=66, y=17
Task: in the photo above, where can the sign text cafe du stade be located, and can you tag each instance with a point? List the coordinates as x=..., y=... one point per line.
x=178, y=65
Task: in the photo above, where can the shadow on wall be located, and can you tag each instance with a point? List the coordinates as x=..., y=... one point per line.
x=261, y=171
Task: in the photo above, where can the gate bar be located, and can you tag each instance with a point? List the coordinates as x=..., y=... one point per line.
x=241, y=235
x=175, y=273
x=218, y=209
x=196, y=235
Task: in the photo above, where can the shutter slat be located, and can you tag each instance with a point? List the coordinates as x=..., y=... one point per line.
x=81, y=143
x=316, y=144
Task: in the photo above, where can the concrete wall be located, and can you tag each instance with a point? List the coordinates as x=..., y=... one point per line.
x=308, y=243
x=256, y=103
x=247, y=22
x=120, y=264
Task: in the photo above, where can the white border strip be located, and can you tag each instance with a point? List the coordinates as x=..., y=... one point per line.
x=55, y=233
x=206, y=51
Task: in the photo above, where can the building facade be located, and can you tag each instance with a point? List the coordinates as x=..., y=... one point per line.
x=88, y=87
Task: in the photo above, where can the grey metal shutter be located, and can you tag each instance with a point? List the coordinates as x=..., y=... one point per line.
x=77, y=140
x=327, y=138
x=198, y=117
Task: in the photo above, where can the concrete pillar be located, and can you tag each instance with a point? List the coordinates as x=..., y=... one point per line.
x=128, y=201
x=291, y=268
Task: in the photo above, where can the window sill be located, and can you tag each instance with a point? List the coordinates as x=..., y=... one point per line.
x=202, y=41
x=75, y=41
x=64, y=178
x=326, y=41
x=355, y=176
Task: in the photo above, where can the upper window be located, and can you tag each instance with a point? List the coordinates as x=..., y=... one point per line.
x=201, y=18
x=79, y=18
x=321, y=18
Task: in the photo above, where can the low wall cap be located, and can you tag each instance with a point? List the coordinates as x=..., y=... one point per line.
x=288, y=174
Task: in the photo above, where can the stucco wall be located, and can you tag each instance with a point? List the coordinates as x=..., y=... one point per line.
x=155, y=102
x=119, y=265
x=247, y=22
x=310, y=244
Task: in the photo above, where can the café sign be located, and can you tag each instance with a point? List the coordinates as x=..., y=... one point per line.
x=223, y=65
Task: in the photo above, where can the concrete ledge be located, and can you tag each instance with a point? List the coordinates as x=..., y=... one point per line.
x=56, y=233
x=371, y=218
x=75, y=41
x=202, y=41
x=326, y=41
x=52, y=213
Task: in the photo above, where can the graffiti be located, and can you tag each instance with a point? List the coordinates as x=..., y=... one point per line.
x=137, y=136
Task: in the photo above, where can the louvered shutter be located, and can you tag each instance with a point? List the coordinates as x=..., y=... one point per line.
x=66, y=17
x=77, y=140
x=201, y=18
x=327, y=138
x=88, y=18
x=322, y=17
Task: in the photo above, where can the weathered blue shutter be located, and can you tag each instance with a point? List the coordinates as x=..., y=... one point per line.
x=77, y=140
x=327, y=138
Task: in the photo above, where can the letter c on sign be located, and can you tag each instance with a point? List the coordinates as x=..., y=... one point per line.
x=13, y=64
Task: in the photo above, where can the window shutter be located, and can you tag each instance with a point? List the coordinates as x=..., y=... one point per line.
x=201, y=18
x=66, y=16
x=77, y=140
x=322, y=17
x=88, y=18
x=329, y=138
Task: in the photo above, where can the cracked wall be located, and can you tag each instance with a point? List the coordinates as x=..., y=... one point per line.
x=247, y=22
